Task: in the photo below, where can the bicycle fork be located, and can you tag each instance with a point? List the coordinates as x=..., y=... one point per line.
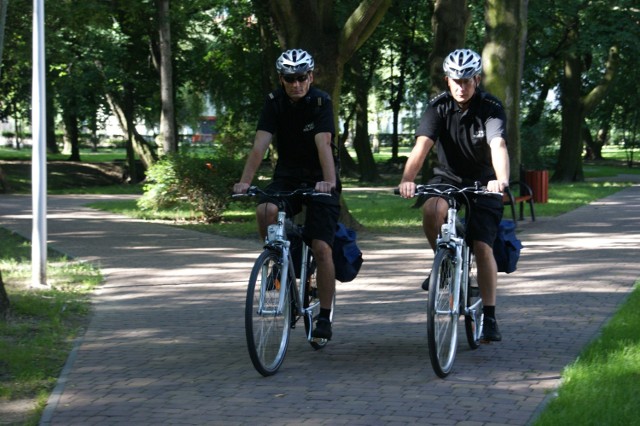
x=449, y=239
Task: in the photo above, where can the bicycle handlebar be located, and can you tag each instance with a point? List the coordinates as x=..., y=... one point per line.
x=252, y=191
x=449, y=190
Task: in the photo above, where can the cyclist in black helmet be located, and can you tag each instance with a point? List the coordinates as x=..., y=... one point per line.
x=468, y=128
x=301, y=117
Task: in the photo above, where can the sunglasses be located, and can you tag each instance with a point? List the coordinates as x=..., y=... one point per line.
x=298, y=78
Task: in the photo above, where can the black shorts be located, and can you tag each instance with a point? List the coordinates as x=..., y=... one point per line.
x=484, y=215
x=322, y=213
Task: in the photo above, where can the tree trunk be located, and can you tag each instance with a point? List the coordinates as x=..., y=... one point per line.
x=5, y=304
x=361, y=144
x=575, y=108
x=593, y=145
x=126, y=121
x=348, y=166
x=588, y=142
x=168, y=133
x=506, y=22
x=450, y=21
x=3, y=19
x=548, y=80
x=569, y=166
x=72, y=145
x=52, y=145
x=398, y=85
x=4, y=183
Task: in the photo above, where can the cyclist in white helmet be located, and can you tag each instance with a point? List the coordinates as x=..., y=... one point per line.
x=468, y=128
x=302, y=118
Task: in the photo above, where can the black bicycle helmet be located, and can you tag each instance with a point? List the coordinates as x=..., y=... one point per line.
x=294, y=61
x=462, y=63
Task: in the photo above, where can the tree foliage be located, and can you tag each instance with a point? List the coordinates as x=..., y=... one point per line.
x=103, y=59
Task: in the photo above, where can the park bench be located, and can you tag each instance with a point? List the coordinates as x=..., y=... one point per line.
x=519, y=193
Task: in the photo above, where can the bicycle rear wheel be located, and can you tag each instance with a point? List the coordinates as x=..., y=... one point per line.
x=442, y=313
x=267, y=329
x=473, y=313
x=311, y=300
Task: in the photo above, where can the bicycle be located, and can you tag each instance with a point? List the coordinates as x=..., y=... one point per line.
x=273, y=309
x=453, y=281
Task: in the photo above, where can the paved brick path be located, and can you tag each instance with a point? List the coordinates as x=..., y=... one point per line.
x=166, y=341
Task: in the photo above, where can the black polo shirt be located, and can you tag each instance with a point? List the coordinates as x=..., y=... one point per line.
x=462, y=138
x=295, y=126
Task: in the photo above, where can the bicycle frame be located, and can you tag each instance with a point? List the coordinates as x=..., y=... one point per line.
x=276, y=239
x=449, y=238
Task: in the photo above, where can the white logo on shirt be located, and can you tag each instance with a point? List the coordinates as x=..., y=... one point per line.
x=309, y=127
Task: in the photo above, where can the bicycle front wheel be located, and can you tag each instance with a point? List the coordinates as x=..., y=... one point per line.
x=442, y=313
x=267, y=328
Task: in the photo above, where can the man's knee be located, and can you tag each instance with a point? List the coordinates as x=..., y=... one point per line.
x=266, y=211
x=321, y=251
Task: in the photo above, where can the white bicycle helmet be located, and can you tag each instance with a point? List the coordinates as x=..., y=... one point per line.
x=294, y=61
x=462, y=63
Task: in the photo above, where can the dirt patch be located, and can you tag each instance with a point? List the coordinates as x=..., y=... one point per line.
x=61, y=175
x=16, y=412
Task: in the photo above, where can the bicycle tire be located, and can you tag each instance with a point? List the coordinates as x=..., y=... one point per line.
x=473, y=318
x=442, y=313
x=310, y=296
x=267, y=331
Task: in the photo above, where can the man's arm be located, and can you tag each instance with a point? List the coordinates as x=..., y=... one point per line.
x=323, y=144
x=260, y=145
x=500, y=161
x=413, y=165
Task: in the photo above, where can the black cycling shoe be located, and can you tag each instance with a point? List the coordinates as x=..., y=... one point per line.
x=490, y=332
x=425, y=283
x=323, y=329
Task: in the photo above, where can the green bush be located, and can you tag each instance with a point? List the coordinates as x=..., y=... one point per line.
x=205, y=184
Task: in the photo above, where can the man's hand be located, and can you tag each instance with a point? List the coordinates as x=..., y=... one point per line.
x=324, y=186
x=240, y=188
x=407, y=189
x=497, y=186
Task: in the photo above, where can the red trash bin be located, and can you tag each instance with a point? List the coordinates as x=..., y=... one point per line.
x=538, y=180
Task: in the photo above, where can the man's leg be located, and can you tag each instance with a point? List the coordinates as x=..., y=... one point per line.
x=487, y=272
x=326, y=274
x=266, y=214
x=488, y=283
x=326, y=280
x=434, y=214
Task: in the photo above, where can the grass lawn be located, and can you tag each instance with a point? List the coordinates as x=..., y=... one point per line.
x=602, y=387
x=37, y=335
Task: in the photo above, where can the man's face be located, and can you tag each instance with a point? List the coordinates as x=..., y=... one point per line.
x=296, y=85
x=462, y=89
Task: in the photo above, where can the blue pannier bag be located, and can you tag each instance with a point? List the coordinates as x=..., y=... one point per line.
x=506, y=247
x=347, y=257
